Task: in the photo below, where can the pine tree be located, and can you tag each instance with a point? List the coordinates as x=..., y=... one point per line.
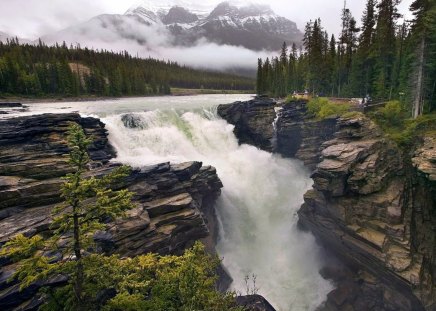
x=259, y=81
x=423, y=32
x=348, y=42
x=88, y=201
x=385, y=47
x=366, y=41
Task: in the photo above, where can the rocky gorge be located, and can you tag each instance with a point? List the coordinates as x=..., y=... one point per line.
x=371, y=206
x=174, y=202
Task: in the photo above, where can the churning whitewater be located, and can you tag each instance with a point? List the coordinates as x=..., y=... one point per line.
x=257, y=208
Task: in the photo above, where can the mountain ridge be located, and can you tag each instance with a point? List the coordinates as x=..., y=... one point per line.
x=252, y=26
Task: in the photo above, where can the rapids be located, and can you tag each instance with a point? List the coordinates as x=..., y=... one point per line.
x=262, y=192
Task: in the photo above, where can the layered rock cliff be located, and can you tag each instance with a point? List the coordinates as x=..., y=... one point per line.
x=371, y=204
x=174, y=202
x=253, y=121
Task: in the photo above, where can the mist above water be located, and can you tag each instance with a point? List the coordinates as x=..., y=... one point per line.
x=261, y=196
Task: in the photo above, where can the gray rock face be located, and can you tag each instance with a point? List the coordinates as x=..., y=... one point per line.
x=174, y=202
x=179, y=15
x=253, y=121
x=358, y=209
x=424, y=159
x=369, y=204
x=299, y=136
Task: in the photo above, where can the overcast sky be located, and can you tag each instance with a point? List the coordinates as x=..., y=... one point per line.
x=33, y=18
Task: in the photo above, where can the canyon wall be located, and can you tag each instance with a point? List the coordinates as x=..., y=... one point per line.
x=372, y=204
x=174, y=202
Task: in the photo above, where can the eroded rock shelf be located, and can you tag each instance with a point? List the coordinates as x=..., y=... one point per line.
x=174, y=202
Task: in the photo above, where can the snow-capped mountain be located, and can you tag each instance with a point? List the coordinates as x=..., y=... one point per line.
x=253, y=26
x=200, y=9
x=180, y=23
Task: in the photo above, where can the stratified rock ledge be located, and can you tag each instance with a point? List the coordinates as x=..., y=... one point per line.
x=174, y=202
x=371, y=204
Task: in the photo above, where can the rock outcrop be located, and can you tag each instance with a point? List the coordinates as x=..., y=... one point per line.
x=282, y=128
x=371, y=204
x=253, y=121
x=359, y=207
x=11, y=107
x=300, y=136
x=254, y=303
x=424, y=158
x=174, y=202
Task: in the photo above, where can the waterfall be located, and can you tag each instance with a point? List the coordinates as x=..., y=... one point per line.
x=258, y=206
x=274, y=138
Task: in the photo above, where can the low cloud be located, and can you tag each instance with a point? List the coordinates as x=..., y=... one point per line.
x=122, y=33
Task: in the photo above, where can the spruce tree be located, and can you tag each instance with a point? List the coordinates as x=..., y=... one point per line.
x=366, y=40
x=259, y=81
x=385, y=47
x=87, y=203
x=423, y=36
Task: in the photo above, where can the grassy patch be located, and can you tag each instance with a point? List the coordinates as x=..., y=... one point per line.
x=397, y=124
x=352, y=114
x=322, y=108
x=290, y=99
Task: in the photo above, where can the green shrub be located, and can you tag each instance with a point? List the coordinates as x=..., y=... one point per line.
x=322, y=108
x=393, y=112
x=398, y=125
x=161, y=283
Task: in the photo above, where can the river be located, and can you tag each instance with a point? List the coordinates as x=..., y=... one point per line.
x=262, y=192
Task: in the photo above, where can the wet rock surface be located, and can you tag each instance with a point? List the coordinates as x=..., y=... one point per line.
x=174, y=202
x=254, y=303
x=253, y=121
x=424, y=158
x=10, y=107
x=372, y=205
x=362, y=207
x=300, y=136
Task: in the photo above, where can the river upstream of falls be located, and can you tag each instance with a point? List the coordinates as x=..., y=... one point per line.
x=262, y=192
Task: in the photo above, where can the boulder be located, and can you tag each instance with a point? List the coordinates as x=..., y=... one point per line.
x=254, y=303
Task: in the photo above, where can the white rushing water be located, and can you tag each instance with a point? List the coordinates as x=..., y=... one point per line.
x=261, y=196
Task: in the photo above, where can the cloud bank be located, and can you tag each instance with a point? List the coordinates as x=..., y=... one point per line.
x=126, y=33
x=34, y=18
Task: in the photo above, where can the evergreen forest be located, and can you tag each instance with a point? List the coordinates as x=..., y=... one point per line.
x=59, y=70
x=386, y=58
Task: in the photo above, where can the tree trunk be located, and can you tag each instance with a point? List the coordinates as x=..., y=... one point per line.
x=418, y=101
x=78, y=282
x=432, y=96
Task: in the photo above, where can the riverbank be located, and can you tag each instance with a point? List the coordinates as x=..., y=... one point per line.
x=174, y=92
x=190, y=92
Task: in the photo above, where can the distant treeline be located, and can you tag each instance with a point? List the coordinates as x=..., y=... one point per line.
x=383, y=58
x=59, y=70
